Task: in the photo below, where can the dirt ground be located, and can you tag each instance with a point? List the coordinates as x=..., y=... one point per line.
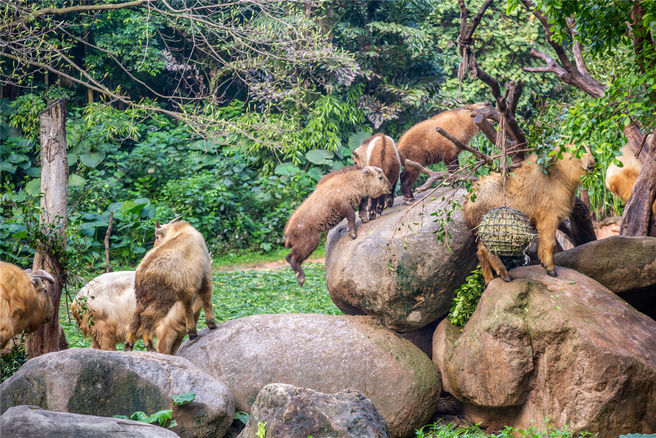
x=264, y=266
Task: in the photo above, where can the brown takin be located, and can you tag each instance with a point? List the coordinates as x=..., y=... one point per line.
x=379, y=151
x=546, y=199
x=104, y=307
x=177, y=269
x=24, y=301
x=335, y=197
x=620, y=180
x=424, y=145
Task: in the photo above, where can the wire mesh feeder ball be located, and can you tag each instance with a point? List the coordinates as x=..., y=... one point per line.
x=505, y=231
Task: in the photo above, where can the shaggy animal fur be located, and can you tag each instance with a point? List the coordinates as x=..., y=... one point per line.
x=620, y=180
x=177, y=269
x=335, y=197
x=546, y=199
x=24, y=301
x=424, y=145
x=379, y=151
x=104, y=307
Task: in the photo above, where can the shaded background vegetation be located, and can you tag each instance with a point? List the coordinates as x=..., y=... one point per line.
x=229, y=115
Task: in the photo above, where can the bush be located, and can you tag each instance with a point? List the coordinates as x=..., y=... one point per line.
x=11, y=361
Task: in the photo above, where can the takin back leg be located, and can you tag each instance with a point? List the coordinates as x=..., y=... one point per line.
x=491, y=262
x=190, y=322
x=300, y=252
x=205, y=295
x=135, y=326
x=149, y=320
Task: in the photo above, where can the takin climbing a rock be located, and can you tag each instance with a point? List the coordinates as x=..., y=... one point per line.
x=103, y=309
x=545, y=198
x=379, y=151
x=24, y=301
x=424, y=145
x=335, y=197
x=177, y=269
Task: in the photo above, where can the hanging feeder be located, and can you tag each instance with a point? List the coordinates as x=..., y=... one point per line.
x=505, y=231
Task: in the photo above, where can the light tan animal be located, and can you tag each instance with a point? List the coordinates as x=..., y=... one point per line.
x=177, y=269
x=24, y=301
x=335, y=197
x=424, y=145
x=620, y=180
x=546, y=199
x=104, y=307
x=380, y=151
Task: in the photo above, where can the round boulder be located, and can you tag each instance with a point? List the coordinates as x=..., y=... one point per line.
x=624, y=264
x=397, y=269
x=108, y=383
x=292, y=412
x=564, y=348
x=324, y=353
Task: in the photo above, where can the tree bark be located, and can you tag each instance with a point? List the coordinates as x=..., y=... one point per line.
x=637, y=219
x=54, y=204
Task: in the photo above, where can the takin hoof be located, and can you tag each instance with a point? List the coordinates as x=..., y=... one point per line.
x=128, y=346
x=507, y=278
x=211, y=324
x=192, y=335
x=300, y=278
x=552, y=273
x=408, y=201
x=364, y=218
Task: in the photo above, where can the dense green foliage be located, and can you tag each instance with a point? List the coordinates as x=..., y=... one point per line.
x=12, y=360
x=450, y=430
x=467, y=297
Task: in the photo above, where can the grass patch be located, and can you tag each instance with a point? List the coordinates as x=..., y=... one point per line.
x=249, y=258
x=238, y=294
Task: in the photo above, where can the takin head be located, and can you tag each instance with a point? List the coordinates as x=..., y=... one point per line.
x=376, y=183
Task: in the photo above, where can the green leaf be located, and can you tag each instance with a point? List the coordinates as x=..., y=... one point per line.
x=92, y=159
x=33, y=187
x=76, y=180
x=355, y=140
x=160, y=417
x=320, y=157
x=184, y=398
x=242, y=416
x=286, y=169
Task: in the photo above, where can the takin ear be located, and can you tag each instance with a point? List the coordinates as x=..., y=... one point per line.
x=355, y=157
x=367, y=170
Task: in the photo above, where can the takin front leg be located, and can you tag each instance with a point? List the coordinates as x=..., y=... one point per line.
x=349, y=213
x=363, y=211
x=489, y=262
x=547, y=244
x=389, y=199
x=408, y=177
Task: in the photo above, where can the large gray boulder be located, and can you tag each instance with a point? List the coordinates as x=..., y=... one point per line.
x=324, y=353
x=624, y=264
x=108, y=383
x=292, y=412
x=564, y=348
x=34, y=422
x=397, y=270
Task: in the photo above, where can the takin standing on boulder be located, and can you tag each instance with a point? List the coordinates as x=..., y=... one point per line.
x=104, y=307
x=177, y=269
x=24, y=301
x=546, y=199
x=424, y=145
x=335, y=197
x=379, y=151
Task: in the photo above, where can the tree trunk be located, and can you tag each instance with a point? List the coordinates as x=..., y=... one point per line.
x=54, y=204
x=638, y=210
